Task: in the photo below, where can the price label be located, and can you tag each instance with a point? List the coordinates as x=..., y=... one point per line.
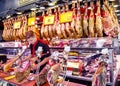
x=67, y=48
x=40, y=49
x=31, y=21
x=73, y=64
x=66, y=17
x=48, y=20
x=16, y=25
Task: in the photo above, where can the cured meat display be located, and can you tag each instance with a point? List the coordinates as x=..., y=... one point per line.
x=72, y=21
x=15, y=28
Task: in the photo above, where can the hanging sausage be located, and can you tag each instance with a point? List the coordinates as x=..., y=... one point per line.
x=98, y=22
x=78, y=24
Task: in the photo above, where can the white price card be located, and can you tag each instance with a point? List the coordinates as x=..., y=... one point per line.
x=40, y=49
x=105, y=51
x=67, y=48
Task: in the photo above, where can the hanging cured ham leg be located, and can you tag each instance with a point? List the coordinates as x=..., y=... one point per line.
x=91, y=23
x=107, y=22
x=73, y=23
x=58, y=28
x=50, y=26
x=69, y=30
x=98, y=23
x=78, y=24
x=46, y=32
x=85, y=22
x=55, y=23
x=42, y=27
x=63, y=26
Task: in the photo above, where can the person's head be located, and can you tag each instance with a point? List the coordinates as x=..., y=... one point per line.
x=30, y=37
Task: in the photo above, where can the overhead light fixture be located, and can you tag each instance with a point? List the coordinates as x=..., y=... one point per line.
x=74, y=1
x=33, y=9
x=116, y=5
x=52, y=3
x=8, y=16
x=117, y=11
x=37, y=18
x=89, y=7
x=111, y=0
x=18, y=13
x=118, y=14
x=42, y=8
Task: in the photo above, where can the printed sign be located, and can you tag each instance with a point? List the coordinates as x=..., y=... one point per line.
x=66, y=17
x=16, y=25
x=48, y=20
x=31, y=21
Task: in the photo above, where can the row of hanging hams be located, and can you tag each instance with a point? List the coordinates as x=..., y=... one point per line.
x=12, y=31
x=88, y=21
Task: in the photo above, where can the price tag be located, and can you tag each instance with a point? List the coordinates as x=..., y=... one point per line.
x=66, y=17
x=73, y=64
x=16, y=25
x=105, y=51
x=40, y=49
x=31, y=21
x=100, y=43
x=67, y=48
x=48, y=20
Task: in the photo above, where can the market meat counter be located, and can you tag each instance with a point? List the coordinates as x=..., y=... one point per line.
x=84, y=58
x=8, y=79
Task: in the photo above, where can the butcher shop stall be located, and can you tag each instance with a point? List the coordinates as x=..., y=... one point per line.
x=83, y=37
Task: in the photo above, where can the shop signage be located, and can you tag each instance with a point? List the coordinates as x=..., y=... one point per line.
x=31, y=21
x=48, y=20
x=16, y=25
x=25, y=2
x=66, y=17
